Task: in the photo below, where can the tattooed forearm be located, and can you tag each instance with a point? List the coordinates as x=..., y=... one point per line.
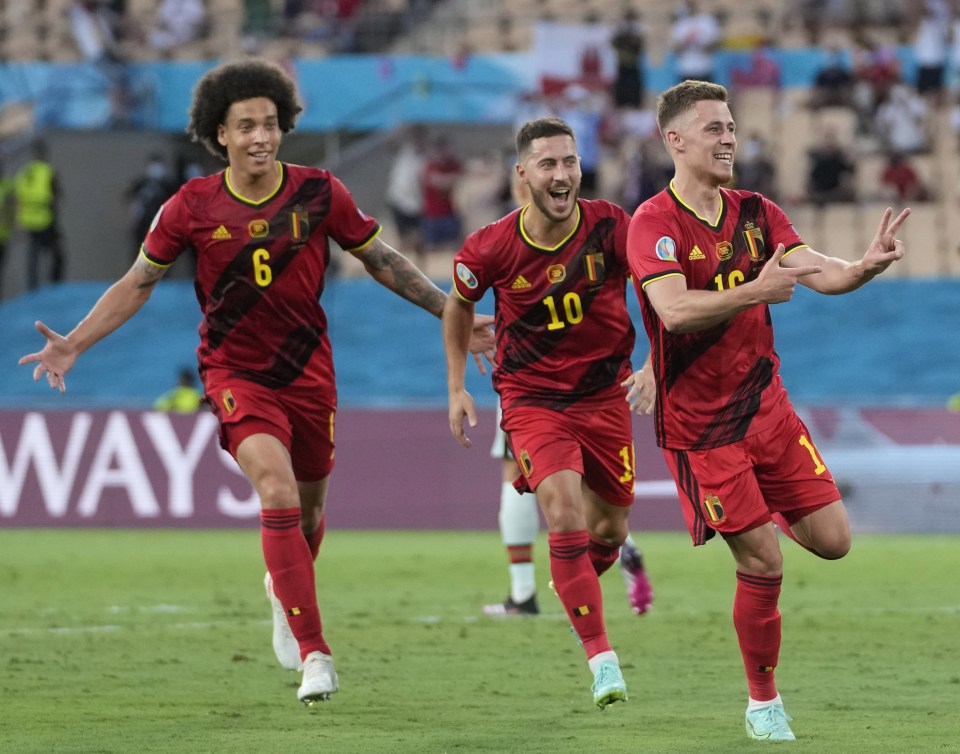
x=393, y=270
x=147, y=274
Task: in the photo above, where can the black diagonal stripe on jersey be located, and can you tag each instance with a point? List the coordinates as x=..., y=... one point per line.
x=234, y=294
x=691, y=490
x=291, y=359
x=740, y=260
x=531, y=341
x=681, y=351
x=730, y=423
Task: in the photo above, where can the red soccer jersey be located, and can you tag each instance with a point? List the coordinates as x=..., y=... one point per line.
x=563, y=331
x=722, y=384
x=260, y=270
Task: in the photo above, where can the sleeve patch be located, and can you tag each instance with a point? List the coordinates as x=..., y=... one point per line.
x=667, y=249
x=465, y=276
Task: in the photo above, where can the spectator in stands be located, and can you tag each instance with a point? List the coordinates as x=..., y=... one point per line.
x=645, y=172
x=832, y=171
x=900, y=180
x=628, y=47
x=7, y=216
x=876, y=68
x=755, y=170
x=762, y=69
x=182, y=399
x=441, y=221
x=812, y=15
x=146, y=195
x=38, y=194
x=953, y=56
x=404, y=195
x=833, y=84
x=931, y=47
x=93, y=25
x=178, y=22
x=96, y=28
x=901, y=121
x=694, y=37
x=583, y=111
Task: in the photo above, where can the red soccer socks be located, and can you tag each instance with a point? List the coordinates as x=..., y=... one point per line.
x=578, y=587
x=757, y=621
x=288, y=559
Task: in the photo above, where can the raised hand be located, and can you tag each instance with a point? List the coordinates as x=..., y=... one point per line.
x=776, y=283
x=885, y=248
x=55, y=360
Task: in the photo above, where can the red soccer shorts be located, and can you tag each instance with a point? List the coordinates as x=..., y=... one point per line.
x=302, y=418
x=596, y=441
x=735, y=488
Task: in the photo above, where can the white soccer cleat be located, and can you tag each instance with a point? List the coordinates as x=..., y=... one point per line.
x=285, y=644
x=319, y=679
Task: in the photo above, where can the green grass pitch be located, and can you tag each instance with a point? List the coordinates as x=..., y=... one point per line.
x=159, y=641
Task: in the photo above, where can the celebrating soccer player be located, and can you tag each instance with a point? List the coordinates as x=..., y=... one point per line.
x=260, y=230
x=559, y=270
x=707, y=262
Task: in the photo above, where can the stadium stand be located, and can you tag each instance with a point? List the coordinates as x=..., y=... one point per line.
x=39, y=31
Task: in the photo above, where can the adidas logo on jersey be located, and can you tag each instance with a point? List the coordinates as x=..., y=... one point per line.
x=520, y=283
x=221, y=234
x=695, y=253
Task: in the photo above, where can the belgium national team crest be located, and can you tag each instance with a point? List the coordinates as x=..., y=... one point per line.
x=594, y=266
x=526, y=465
x=228, y=401
x=299, y=225
x=754, y=238
x=713, y=509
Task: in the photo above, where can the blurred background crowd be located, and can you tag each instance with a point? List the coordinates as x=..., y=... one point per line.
x=842, y=106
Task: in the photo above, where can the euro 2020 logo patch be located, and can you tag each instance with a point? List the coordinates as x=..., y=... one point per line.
x=667, y=249
x=466, y=276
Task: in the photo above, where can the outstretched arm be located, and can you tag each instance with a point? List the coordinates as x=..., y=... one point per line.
x=457, y=320
x=840, y=276
x=121, y=301
x=393, y=270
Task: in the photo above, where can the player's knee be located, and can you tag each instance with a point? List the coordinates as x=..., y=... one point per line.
x=276, y=489
x=835, y=547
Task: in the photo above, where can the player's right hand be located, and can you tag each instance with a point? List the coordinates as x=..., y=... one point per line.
x=55, y=360
x=775, y=283
x=461, y=404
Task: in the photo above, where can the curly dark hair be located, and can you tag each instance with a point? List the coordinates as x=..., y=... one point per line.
x=233, y=82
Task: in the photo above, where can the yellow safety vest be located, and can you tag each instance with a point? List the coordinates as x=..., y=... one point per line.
x=34, y=189
x=6, y=209
x=180, y=400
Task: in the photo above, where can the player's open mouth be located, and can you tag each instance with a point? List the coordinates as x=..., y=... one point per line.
x=560, y=196
x=726, y=157
x=260, y=156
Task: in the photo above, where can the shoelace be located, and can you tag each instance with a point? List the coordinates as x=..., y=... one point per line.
x=774, y=717
x=604, y=676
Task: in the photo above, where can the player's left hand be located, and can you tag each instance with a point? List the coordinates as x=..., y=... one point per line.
x=886, y=248
x=483, y=342
x=641, y=391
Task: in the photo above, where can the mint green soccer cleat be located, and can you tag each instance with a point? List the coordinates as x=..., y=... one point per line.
x=608, y=685
x=769, y=723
